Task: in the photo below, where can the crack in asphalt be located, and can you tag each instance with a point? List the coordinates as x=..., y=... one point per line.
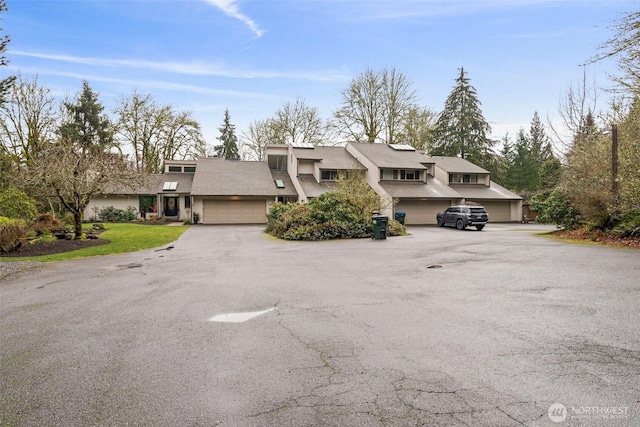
x=345, y=391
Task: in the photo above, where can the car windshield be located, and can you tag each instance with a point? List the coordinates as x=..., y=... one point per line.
x=477, y=210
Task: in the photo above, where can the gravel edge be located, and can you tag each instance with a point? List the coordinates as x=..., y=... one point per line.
x=8, y=268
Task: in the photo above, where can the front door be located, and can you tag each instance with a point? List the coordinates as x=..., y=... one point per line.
x=170, y=206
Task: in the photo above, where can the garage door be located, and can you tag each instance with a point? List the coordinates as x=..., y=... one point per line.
x=498, y=211
x=421, y=211
x=234, y=212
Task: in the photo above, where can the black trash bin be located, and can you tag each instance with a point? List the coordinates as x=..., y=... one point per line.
x=400, y=216
x=380, y=224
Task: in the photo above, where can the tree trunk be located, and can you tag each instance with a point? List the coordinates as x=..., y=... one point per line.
x=77, y=217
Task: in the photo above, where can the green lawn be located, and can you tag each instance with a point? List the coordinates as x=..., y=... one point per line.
x=122, y=237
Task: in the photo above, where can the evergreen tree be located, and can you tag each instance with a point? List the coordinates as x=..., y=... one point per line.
x=461, y=129
x=523, y=171
x=5, y=83
x=547, y=164
x=85, y=125
x=229, y=147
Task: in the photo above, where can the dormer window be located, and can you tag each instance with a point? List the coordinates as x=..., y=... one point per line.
x=459, y=178
x=277, y=162
x=329, y=175
x=187, y=169
x=400, y=174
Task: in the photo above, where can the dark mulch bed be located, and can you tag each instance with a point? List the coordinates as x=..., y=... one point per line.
x=55, y=247
x=609, y=239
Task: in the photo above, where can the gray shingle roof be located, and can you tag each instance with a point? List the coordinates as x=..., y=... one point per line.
x=479, y=191
x=313, y=188
x=289, y=190
x=433, y=189
x=329, y=157
x=456, y=165
x=149, y=187
x=184, y=180
x=220, y=177
x=383, y=156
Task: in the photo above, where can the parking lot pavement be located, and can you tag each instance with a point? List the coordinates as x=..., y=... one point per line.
x=502, y=327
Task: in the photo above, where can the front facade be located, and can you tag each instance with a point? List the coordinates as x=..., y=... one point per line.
x=219, y=191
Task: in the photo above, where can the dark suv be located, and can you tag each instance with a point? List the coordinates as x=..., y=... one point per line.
x=463, y=216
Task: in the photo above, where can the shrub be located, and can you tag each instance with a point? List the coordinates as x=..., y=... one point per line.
x=12, y=232
x=113, y=214
x=555, y=208
x=68, y=219
x=109, y=214
x=396, y=229
x=331, y=207
x=47, y=224
x=325, y=217
x=629, y=225
x=15, y=203
x=46, y=238
x=129, y=214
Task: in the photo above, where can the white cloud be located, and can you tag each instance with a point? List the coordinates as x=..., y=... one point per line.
x=188, y=68
x=153, y=84
x=230, y=8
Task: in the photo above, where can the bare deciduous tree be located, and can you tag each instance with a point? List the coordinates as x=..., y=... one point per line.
x=374, y=106
x=156, y=132
x=297, y=123
x=28, y=120
x=254, y=141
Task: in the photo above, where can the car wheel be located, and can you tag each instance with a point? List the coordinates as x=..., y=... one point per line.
x=479, y=227
x=460, y=225
x=440, y=222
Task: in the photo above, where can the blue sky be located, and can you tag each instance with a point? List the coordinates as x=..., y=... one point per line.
x=252, y=56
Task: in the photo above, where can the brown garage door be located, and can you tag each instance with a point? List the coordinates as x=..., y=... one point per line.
x=498, y=211
x=234, y=212
x=421, y=211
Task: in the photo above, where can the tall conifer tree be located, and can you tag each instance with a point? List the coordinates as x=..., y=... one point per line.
x=229, y=141
x=461, y=129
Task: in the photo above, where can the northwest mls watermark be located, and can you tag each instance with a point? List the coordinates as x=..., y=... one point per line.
x=558, y=413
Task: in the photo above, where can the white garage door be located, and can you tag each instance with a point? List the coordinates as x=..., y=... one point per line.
x=421, y=211
x=234, y=212
x=498, y=211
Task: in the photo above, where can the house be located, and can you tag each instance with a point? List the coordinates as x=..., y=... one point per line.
x=234, y=191
x=219, y=191
x=405, y=180
x=313, y=170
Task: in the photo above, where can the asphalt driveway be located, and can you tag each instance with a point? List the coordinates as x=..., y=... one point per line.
x=442, y=327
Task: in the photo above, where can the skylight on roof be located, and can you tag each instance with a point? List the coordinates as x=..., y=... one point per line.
x=279, y=183
x=301, y=145
x=170, y=186
x=402, y=147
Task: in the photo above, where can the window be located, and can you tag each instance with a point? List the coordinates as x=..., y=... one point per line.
x=400, y=174
x=279, y=183
x=458, y=178
x=175, y=168
x=147, y=204
x=277, y=162
x=189, y=168
x=329, y=175
x=187, y=201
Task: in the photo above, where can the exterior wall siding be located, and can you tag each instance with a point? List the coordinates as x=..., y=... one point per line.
x=120, y=202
